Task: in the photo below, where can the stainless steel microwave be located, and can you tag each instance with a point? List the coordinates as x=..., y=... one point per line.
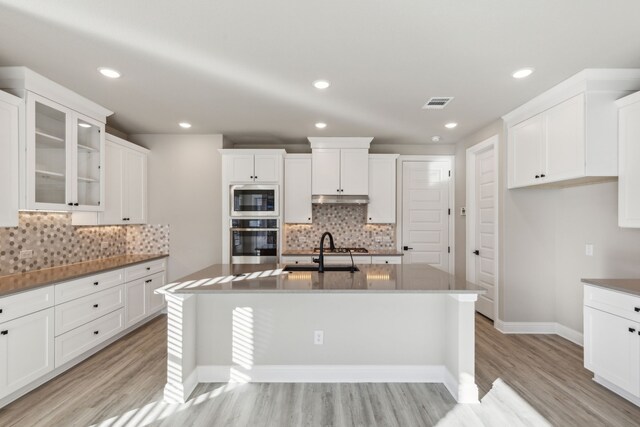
x=251, y=200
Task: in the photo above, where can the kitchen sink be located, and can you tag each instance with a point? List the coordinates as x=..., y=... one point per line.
x=315, y=268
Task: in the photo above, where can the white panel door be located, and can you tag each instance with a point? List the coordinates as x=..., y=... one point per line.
x=267, y=167
x=241, y=168
x=354, y=171
x=26, y=350
x=136, y=184
x=425, y=219
x=484, y=217
x=382, y=190
x=325, y=171
x=565, y=140
x=297, y=190
x=113, y=185
x=612, y=348
x=525, y=152
x=9, y=181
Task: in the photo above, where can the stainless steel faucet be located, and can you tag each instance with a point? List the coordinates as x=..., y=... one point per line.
x=320, y=259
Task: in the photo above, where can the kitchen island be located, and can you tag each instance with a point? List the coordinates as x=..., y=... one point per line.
x=260, y=323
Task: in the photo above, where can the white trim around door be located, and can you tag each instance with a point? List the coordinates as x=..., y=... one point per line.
x=472, y=214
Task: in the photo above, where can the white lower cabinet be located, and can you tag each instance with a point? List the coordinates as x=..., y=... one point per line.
x=26, y=350
x=154, y=301
x=612, y=341
x=141, y=301
x=84, y=338
x=76, y=313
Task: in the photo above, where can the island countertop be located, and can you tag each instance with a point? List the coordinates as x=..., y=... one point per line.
x=21, y=282
x=270, y=278
x=630, y=286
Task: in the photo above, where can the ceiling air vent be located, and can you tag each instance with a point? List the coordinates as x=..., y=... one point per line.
x=437, y=102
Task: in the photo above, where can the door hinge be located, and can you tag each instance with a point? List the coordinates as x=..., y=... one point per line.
x=449, y=210
x=448, y=249
x=449, y=173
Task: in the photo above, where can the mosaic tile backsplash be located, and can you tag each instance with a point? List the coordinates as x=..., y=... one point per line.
x=54, y=241
x=348, y=226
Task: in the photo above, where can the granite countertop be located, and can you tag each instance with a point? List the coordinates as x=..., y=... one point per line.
x=310, y=252
x=251, y=278
x=630, y=286
x=20, y=282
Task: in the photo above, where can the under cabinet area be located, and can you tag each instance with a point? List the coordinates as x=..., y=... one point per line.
x=297, y=189
x=612, y=340
x=629, y=161
x=125, y=186
x=567, y=135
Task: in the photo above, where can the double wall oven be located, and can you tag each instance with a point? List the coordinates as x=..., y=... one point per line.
x=254, y=224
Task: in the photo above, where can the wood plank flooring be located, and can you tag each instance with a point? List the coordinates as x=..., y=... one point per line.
x=122, y=386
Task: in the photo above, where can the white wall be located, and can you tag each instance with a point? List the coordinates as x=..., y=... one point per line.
x=184, y=184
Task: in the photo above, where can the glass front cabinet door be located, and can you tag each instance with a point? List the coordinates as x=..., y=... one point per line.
x=64, y=154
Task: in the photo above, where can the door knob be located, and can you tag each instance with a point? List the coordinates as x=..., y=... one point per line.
x=476, y=252
x=406, y=248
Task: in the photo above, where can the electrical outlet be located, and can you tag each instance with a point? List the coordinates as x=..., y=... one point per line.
x=378, y=239
x=104, y=245
x=588, y=249
x=26, y=254
x=463, y=211
x=302, y=239
x=318, y=337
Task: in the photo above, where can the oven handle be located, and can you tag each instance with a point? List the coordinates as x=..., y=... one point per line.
x=254, y=229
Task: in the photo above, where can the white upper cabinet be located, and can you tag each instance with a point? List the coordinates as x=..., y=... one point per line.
x=566, y=136
x=340, y=166
x=125, y=186
x=63, y=144
x=297, y=189
x=382, y=189
x=249, y=168
x=629, y=162
x=10, y=109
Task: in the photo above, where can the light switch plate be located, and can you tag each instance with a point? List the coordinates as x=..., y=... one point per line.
x=588, y=249
x=463, y=211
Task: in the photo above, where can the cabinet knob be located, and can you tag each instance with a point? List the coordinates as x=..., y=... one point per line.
x=537, y=176
x=0, y=311
x=255, y=177
x=369, y=218
x=75, y=204
x=5, y=332
x=308, y=219
x=95, y=305
x=148, y=268
x=96, y=332
x=70, y=204
x=148, y=281
x=632, y=330
x=96, y=283
x=542, y=175
x=636, y=309
x=386, y=262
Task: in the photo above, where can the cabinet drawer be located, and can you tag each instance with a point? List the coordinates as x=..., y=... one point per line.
x=145, y=269
x=24, y=303
x=76, y=313
x=73, y=289
x=386, y=260
x=346, y=259
x=297, y=259
x=82, y=339
x=618, y=303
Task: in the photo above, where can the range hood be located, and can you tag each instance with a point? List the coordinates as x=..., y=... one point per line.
x=339, y=200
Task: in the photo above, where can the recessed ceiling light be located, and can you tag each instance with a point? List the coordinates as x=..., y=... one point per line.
x=84, y=125
x=185, y=125
x=321, y=84
x=321, y=125
x=451, y=125
x=435, y=138
x=109, y=72
x=522, y=73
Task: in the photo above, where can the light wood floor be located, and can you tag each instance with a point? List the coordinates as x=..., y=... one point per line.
x=122, y=386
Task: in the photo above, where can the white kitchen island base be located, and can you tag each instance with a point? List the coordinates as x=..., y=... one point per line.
x=368, y=336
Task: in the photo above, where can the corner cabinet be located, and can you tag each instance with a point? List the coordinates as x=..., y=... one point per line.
x=629, y=161
x=62, y=144
x=382, y=189
x=10, y=111
x=297, y=189
x=566, y=136
x=125, y=200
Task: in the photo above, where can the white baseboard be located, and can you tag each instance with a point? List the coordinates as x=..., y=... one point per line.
x=614, y=388
x=540, y=328
x=324, y=374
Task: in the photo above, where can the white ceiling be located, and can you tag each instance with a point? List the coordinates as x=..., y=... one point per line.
x=244, y=67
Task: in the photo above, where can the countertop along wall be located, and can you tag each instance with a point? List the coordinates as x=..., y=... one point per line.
x=184, y=190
